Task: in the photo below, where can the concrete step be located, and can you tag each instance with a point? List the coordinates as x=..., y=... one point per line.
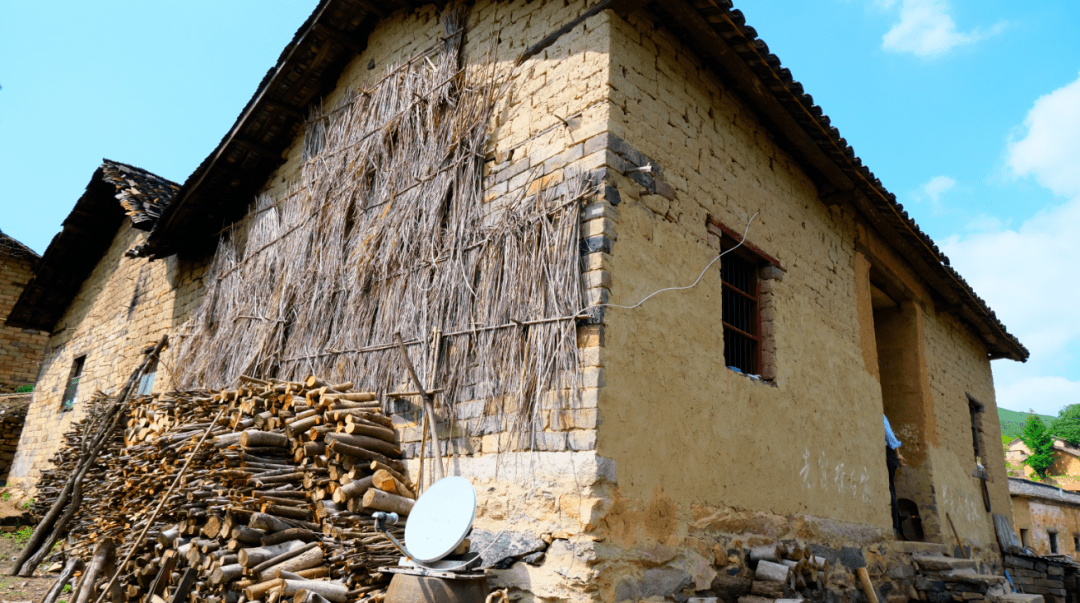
x=918, y=548
x=1017, y=598
x=968, y=576
x=935, y=563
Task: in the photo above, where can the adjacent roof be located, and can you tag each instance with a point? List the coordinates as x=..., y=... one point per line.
x=85, y=236
x=11, y=247
x=1046, y=492
x=219, y=191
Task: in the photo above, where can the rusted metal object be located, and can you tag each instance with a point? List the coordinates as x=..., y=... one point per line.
x=406, y=588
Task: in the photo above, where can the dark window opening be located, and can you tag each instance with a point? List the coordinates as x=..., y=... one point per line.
x=1025, y=538
x=1053, y=542
x=1076, y=542
x=975, y=409
x=146, y=382
x=73, y=384
x=741, y=314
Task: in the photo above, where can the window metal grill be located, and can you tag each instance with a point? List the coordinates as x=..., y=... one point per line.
x=740, y=303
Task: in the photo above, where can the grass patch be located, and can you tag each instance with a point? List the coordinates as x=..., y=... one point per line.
x=20, y=536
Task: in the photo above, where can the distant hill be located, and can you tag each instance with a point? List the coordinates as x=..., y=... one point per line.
x=1012, y=422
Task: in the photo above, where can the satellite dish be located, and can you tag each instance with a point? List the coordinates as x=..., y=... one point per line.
x=441, y=519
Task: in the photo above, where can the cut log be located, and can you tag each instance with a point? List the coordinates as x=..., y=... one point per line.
x=249, y=558
x=388, y=483
x=73, y=565
x=769, y=552
x=353, y=489
x=309, y=558
x=771, y=572
x=332, y=591
x=384, y=501
x=253, y=437
x=267, y=523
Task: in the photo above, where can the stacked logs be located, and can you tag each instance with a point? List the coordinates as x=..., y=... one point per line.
x=276, y=504
x=783, y=572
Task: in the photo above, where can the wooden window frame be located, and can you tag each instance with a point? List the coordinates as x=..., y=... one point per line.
x=729, y=239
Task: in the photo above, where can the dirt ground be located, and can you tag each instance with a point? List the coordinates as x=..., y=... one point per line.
x=13, y=588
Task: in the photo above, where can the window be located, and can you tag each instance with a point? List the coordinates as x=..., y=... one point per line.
x=1053, y=542
x=975, y=409
x=746, y=275
x=741, y=314
x=146, y=382
x=73, y=384
x=1076, y=542
x=1025, y=538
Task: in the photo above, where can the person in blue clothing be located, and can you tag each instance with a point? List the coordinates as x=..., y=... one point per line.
x=893, y=460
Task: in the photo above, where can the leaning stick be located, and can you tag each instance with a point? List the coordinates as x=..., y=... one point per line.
x=429, y=408
x=956, y=536
x=164, y=498
x=867, y=585
x=34, y=552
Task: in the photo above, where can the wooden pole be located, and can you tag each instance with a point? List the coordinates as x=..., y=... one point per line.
x=956, y=536
x=153, y=516
x=867, y=585
x=33, y=553
x=429, y=408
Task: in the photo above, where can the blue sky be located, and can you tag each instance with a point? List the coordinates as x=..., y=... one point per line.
x=968, y=110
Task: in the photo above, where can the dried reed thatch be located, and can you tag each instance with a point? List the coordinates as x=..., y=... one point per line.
x=387, y=231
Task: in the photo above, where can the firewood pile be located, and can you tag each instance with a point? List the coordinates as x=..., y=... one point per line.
x=784, y=572
x=277, y=503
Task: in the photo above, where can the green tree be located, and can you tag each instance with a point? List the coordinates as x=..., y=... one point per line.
x=1038, y=439
x=1067, y=424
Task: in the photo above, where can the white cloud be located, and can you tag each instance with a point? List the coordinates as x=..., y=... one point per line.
x=927, y=29
x=1050, y=150
x=933, y=190
x=1027, y=274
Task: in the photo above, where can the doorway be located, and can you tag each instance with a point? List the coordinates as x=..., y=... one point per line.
x=907, y=404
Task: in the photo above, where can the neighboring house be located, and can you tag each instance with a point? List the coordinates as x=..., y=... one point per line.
x=1064, y=473
x=1046, y=517
x=745, y=410
x=99, y=306
x=20, y=349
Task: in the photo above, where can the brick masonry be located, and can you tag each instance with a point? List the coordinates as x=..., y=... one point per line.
x=666, y=461
x=124, y=305
x=20, y=349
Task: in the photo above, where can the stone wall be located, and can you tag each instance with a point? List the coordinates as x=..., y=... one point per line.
x=20, y=349
x=1041, y=576
x=123, y=306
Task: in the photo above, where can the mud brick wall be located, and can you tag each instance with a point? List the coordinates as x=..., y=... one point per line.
x=123, y=306
x=20, y=349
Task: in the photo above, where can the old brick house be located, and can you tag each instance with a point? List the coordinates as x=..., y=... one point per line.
x=98, y=306
x=20, y=349
x=744, y=410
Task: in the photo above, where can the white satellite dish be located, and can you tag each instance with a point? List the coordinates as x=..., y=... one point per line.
x=441, y=519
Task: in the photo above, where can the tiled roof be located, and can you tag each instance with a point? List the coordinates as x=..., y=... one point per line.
x=12, y=247
x=219, y=191
x=84, y=238
x=1023, y=487
x=143, y=195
